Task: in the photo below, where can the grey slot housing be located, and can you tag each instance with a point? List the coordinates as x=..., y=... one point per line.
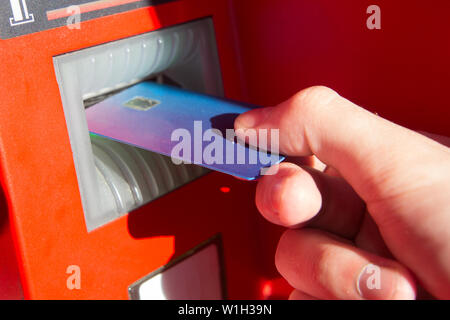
x=115, y=178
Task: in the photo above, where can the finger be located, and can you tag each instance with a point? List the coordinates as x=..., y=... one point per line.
x=348, y=138
x=438, y=138
x=298, y=295
x=311, y=161
x=332, y=171
x=295, y=195
x=320, y=265
x=315, y=163
x=370, y=239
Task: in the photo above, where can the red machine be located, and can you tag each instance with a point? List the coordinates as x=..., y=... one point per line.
x=79, y=218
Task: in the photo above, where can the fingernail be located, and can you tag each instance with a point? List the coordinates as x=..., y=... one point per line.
x=404, y=290
x=247, y=120
x=252, y=118
x=375, y=283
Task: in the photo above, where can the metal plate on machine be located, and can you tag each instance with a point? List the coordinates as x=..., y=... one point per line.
x=196, y=275
x=20, y=17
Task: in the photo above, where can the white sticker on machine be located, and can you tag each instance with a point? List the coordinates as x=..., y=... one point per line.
x=196, y=275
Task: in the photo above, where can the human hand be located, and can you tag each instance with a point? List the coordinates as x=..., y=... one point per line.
x=384, y=200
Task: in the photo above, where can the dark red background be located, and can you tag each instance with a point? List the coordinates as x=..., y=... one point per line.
x=401, y=71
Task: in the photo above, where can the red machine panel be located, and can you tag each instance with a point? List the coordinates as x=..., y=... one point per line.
x=40, y=184
x=267, y=51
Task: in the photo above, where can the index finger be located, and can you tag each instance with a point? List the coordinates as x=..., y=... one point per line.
x=366, y=149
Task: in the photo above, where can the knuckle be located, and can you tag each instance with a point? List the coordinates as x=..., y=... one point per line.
x=321, y=268
x=312, y=98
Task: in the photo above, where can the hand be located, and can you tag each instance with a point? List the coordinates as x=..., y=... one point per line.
x=383, y=201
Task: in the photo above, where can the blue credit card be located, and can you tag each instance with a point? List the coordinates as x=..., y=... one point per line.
x=187, y=126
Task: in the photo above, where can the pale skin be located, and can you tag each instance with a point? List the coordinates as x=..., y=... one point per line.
x=383, y=199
